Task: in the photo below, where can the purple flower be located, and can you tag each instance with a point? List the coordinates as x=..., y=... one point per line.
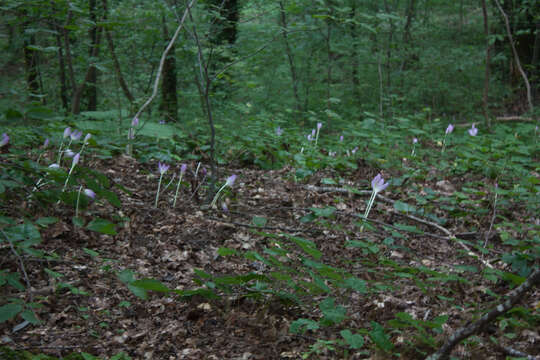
x=162, y=168
x=54, y=166
x=378, y=184
x=449, y=129
x=161, y=122
x=354, y=150
x=473, y=130
x=67, y=132
x=230, y=180
x=414, y=140
x=46, y=143
x=313, y=133
x=341, y=138
x=75, y=159
x=183, y=168
x=310, y=137
x=89, y=193
x=279, y=131
x=135, y=122
x=5, y=140
x=319, y=126
x=224, y=207
x=87, y=137
x=69, y=153
x=75, y=135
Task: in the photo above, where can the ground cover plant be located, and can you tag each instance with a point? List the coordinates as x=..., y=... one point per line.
x=201, y=206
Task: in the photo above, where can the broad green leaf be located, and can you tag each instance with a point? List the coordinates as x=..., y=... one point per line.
x=45, y=221
x=379, y=337
x=300, y=326
x=355, y=341
x=9, y=311
x=223, y=251
x=92, y=253
x=150, y=284
x=259, y=221
x=29, y=316
x=102, y=226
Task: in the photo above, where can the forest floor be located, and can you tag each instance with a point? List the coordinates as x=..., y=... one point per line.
x=99, y=315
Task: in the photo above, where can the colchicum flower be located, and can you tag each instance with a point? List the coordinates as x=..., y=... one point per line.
x=46, y=143
x=183, y=169
x=74, y=162
x=135, y=122
x=75, y=135
x=67, y=132
x=89, y=193
x=473, y=130
x=414, y=141
x=230, y=182
x=341, y=138
x=162, y=168
x=5, y=140
x=449, y=130
x=319, y=126
x=279, y=131
x=378, y=185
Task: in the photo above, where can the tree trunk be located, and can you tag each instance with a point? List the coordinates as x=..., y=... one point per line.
x=485, y=105
x=91, y=91
x=116, y=63
x=354, y=53
x=169, y=103
x=223, y=28
x=61, y=68
x=290, y=56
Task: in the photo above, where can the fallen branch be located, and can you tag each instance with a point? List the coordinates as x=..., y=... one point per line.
x=448, y=233
x=514, y=118
x=464, y=332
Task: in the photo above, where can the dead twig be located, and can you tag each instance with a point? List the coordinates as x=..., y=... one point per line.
x=464, y=332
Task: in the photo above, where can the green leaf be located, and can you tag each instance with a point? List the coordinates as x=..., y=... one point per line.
x=29, y=316
x=87, y=356
x=328, y=181
x=404, y=207
x=138, y=292
x=45, y=221
x=150, y=284
x=53, y=274
x=259, y=221
x=300, y=326
x=9, y=311
x=355, y=341
x=379, y=337
x=102, y=226
x=78, y=221
x=356, y=284
x=223, y=251
x=92, y=253
x=126, y=276
x=325, y=212
x=333, y=314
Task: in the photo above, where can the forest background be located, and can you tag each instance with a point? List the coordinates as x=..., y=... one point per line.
x=314, y=92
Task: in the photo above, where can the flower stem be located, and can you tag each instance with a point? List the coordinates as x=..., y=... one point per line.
x=158, y=188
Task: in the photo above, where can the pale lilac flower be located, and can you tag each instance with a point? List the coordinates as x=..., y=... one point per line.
x=354, y=150
x=224, y=207
x=5, y=140
x=183, y=168
x=319, y=126
x=87, y=137
x=449, y=129
x=279, y=131
x=89, y=193
x=162, y=168
x=135, y=122
x=473, y=130
x=313, y=133
x=54, y=166
x=75, y=135
x=230, y=180
x=378, y=184
x=46, y=143
x=75, y=159
x=309, y=137
x=414, y=140
x=161, y=122
x=67, y=132
x=341, y=138
x=69, y=153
